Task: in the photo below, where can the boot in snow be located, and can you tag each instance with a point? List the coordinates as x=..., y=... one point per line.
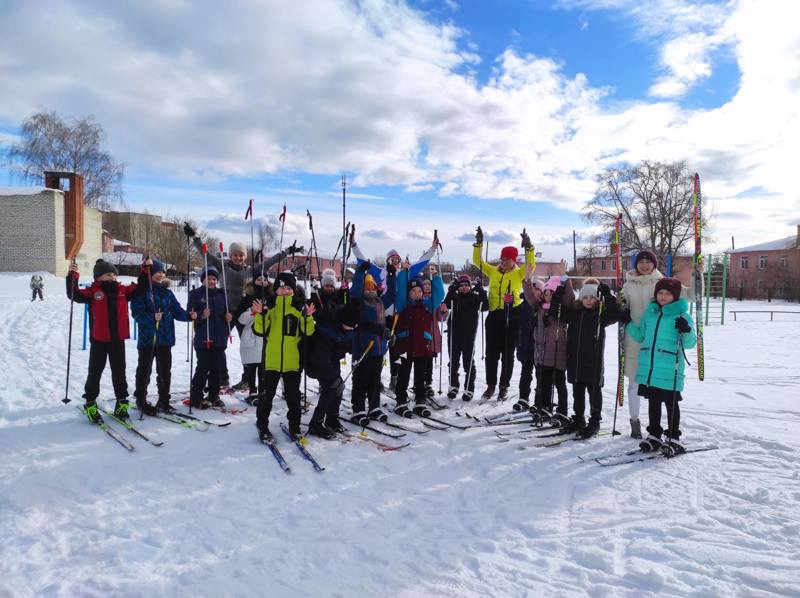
x=264, y=435
x=503, y=394
x=521, y=405
x=402, y=410
x=360, y=419
x=452, y=393
x=378, y=415
x=651, y=443
x=467, y=396
x=636, y=428
x=422, y=410
x=92, y=413
x=121, y=409
x=591, y=429
x=163, y=404
x=315, y=428
x=145, y=407
x=488, y=393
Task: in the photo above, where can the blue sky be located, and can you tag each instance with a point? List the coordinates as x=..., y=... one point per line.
x=443, y=115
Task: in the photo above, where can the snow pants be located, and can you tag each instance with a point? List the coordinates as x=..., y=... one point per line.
x=501, y=342
x=330, y=393
x=463, y=348
x=579, y=400
x=404, y=375
x=291, y=393
x=207, y=373
x=144, y=368
x=35, y=293
x=99, y=352
x=549, y=377
x=655, y=397
x=367, y=383
x=526, y=379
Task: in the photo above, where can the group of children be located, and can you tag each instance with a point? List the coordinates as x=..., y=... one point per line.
x=393, y=315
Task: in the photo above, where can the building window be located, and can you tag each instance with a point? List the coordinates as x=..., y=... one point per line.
x=745, y=263
x=784, y=261
x=614, y=265
x=762, y=262
x=602, y=265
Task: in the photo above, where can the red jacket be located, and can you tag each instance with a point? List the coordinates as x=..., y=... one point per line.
x=108, y=307
x=414, y=331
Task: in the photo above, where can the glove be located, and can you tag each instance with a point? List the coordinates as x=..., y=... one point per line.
x=387, y=334
x=188, y=230
x=293, y=248
x=682, y=325
x=390, y=269
x=479, y=236
x=625, y=316
x=558, y=295
x=526, y=241
x=363, y=266
x=564, y=279
x=604, y=290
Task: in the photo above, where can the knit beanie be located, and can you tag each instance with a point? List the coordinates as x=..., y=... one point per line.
x=369, y=284
x=210, y=271
x=328, y=277
x=103, y=267
x=552, y=283
x=237, y=248
x=509, y=253
x=647, y=255
x=464, y=279
x=415, y=282
x=285, y=279
x=673, y=285
x=587, y=290
x=157, y=267
x=392, y=253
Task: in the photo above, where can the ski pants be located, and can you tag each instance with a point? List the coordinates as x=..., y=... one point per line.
x=549, y=377
x=35, y=293
x=99, y=352
x=403, y=377
x=525, y=380
x=463, y=349
x=429, y=371
x=673, y=407
x=254, y=376
x=367, y=383
x=393, y=358
x=330, y=393
x=207, y=372
x=144, y=368
x=501, y=342
x=291, y=393
x=633, y=398
x=579, y=400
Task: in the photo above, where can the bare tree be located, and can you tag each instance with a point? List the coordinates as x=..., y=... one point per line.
x=266, y=239
x=655, y=201
x=587, y=256
x=50, y=143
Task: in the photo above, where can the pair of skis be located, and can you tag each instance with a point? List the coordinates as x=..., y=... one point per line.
x=299, y=443
x=636, y=455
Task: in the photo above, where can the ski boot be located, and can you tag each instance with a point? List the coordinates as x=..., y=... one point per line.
x=241, y=385
x=591, y=429
x=559, y=420
x=216, y=402
x=163, y=404
x=92, y=413
x=252, y=399
x=540, y=415
x=521, y=405
x=265, y=436
x=452, y=393
x=334, y=425
x=650, y=444
x=502, y=395
x=488, y=393
x=421, y=410
x=360, y=418
x=402, y=410
x=378, y=415
x=636, y=428
x=467, y=396
x=672, y=448
x=315, y=428
x=145, y=407
x=429, y=394
x=295, y=432
x=121, y=409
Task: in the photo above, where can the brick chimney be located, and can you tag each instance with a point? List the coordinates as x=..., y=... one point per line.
x=73, y=208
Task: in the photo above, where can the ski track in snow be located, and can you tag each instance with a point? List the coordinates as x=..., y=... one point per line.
x=456, y=514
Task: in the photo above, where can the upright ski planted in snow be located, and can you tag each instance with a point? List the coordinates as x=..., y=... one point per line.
x=620, y=328
x=697, y=275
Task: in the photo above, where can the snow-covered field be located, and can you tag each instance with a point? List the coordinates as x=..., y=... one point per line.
x=458, y=513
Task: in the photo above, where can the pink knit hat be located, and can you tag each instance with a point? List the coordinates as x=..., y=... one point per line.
x=552, y=283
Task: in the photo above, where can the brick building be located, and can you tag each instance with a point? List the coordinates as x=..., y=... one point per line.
x=606, y=267
x=41, y=226
x=767, y=270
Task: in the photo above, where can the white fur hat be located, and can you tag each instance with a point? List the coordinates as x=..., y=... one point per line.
x=328, y=277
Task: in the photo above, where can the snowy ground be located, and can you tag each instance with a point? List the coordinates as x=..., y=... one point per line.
x=456, y=514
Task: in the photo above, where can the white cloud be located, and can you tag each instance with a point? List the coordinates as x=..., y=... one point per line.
x=381, y=234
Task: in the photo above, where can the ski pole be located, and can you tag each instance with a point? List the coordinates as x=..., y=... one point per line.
x=208, y=319
x=188, y=324
x=225, y=288
x=358, y=361
x=74, y=278
x=249, y=214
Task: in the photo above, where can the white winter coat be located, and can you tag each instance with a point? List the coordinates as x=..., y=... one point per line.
x=639, y=291
x=250, y=344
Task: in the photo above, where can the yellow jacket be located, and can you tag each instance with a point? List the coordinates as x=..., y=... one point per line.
x=501, y=283
x=284, y=325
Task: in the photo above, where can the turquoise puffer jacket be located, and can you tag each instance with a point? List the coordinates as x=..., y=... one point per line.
x=659, y=339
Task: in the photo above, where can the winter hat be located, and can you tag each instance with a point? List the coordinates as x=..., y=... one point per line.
x=392, y=253
x=157, y=267
x=237, y=248
x=103, y=267
x=285, y=279
x=464, y=279
x=369, y=284
x=552, y=283
x=415, y=282
x=210, y=271
x=509, y=253
x=328, y=277
x=587, y=290
x=646, y=254
x=673, y=285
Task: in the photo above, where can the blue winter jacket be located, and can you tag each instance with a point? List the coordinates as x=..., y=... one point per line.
x=144, y=308
x=371, y=324
x=659, y=338
x=217, y=326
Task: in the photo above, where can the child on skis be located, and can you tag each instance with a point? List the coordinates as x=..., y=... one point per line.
x=155, y=311
x=526, y=345
x=505, y=286
x=664, y=331
x=550, y=346
x=285, y=322
x=332, y=341
x=414, y=339
x=587, y=319
x=465, y=302
x=210, y=338
x=108, y=325
x=37, y=284
x=371, y=328
x=251, y=345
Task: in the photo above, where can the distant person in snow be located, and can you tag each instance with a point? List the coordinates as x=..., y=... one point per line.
x=37, y=284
